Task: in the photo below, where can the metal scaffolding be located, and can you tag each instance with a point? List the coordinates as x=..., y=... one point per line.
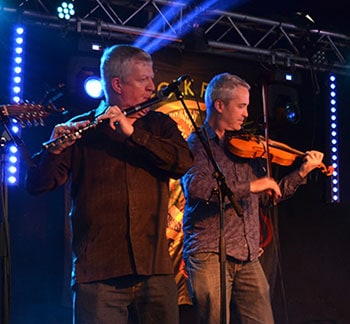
x=226, y=33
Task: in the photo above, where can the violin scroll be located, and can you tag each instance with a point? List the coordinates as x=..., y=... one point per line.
x=327, y=170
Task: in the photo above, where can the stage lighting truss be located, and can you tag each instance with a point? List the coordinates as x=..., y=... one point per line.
x=228, y=33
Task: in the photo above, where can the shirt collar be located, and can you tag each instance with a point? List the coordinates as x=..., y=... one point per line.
x=211, y=133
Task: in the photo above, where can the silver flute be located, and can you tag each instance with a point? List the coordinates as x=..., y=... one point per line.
x=52, y=143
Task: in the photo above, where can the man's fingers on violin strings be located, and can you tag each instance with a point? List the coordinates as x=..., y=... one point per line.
x=314, y=157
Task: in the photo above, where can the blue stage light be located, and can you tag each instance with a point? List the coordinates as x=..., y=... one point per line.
x=93, y=87
x=333, y=134
x=12, y=158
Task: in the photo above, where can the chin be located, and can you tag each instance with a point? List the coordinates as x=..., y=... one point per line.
x=235, y=129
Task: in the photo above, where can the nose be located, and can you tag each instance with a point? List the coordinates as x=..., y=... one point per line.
x=245, y=112
x=150, y=85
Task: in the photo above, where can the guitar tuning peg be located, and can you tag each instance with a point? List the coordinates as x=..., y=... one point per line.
x=35, y=122
x=41, y=121
x=22, y=123
x=29, y=123
x=28, y=114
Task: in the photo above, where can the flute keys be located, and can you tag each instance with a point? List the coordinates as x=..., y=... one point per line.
x=64, y=137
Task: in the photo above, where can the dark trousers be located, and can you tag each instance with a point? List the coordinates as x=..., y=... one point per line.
x=146, y=300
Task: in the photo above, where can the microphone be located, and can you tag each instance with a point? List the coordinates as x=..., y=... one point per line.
x=166, y=91
x=162, y=93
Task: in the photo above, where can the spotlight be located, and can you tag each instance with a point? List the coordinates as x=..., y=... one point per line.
x=66, y=10
x=83, y=80
x=93, y=87
x=319, y=58
x=287, y=109
x=283, y=99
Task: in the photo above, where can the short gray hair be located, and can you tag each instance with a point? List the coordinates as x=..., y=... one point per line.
x=115, y=62
x=221, y=87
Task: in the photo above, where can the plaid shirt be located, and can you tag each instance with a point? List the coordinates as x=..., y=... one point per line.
x=120, y=194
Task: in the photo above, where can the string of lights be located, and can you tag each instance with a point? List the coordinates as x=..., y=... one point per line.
x=335, y=190
x=12, y=157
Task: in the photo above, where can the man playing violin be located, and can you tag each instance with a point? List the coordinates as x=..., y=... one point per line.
x=227, y=100
x=118, y=174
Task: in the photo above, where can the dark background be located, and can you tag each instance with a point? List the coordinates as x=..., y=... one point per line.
x=313, y=285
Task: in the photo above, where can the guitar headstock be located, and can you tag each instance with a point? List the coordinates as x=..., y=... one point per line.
x=29, y=114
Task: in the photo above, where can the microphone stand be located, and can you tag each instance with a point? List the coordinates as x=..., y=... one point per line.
x=5, y=243
x=222, y=191
x=5, y=231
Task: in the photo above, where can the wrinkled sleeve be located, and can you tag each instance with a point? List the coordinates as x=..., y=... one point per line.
x=167, y=150
x=288, y=185
x=48, y=172
x=200, y=183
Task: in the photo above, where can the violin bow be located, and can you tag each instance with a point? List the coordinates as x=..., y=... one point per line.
x=267, y=140
x=266, y=129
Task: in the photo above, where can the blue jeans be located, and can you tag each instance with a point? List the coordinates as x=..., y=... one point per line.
x=246, y=287
x=147, y=300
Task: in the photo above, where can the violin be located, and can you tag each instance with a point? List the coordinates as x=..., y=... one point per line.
x=255, y=146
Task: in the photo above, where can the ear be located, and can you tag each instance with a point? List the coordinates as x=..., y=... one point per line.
x=219, y=105
x=116, y=85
